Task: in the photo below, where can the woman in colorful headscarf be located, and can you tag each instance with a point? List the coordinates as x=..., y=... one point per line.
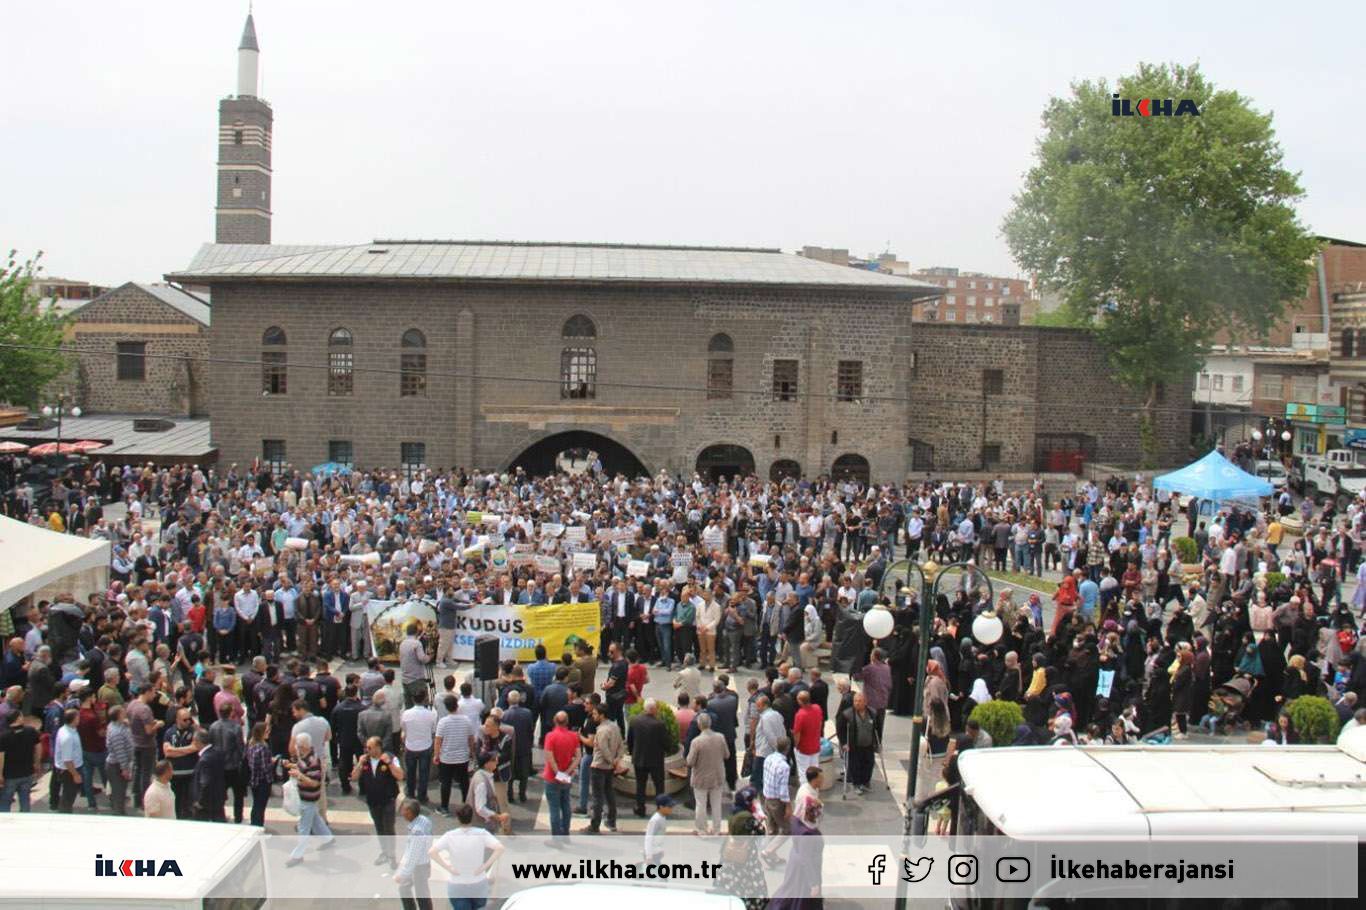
x=936, y=690
x=740, y=873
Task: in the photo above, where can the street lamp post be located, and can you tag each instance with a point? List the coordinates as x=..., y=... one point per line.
x=930, y=577
x=59, y=410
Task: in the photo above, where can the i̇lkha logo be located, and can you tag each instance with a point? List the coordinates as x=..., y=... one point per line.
x=1153, y=107
x=133, y=868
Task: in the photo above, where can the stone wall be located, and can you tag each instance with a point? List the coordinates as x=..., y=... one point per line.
x=1054, y=381
x=493, y=389
x=175, y=380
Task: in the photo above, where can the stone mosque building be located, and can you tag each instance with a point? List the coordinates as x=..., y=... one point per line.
x=401, y=353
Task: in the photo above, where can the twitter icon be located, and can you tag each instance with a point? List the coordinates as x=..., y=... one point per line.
x=918, y=870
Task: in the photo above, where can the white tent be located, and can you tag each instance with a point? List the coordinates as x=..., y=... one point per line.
x=32, y=557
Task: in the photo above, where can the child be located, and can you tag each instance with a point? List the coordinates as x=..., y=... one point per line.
x=657, y=828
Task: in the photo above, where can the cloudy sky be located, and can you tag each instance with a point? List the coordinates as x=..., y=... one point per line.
x=871, y=125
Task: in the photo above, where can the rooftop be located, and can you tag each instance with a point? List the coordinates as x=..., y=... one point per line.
x=189, y=438
x=483, y=260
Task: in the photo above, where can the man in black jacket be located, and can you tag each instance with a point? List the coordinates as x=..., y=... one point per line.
x=346, y=733
x=646, y=741
x=225, y=735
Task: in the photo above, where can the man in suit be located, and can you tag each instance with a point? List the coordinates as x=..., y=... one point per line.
x=724, y=705
x=645, y=740
x=378, y=776
x=623, y=612
x=707, y=754
x=210, y=780
x=523, y=723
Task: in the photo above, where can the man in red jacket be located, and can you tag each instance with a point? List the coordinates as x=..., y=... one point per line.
x=807, y=727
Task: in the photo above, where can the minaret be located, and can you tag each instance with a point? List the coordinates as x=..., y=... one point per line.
x=244, y=124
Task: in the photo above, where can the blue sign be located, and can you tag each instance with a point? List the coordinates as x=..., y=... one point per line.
x=1355, y=439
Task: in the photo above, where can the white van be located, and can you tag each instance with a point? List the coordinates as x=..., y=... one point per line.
x=1144, y=792
x=83, y=861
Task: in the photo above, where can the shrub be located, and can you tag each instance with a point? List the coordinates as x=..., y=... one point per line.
x=1186, y=548
x=1314, y=719
x=999, y=719
x=666, y=714
x=1273, y=581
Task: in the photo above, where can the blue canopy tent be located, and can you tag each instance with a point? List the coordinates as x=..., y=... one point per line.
x=1215, y=479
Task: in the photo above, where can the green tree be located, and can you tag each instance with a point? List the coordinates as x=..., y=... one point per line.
x=1159, y=232
x=29, y=337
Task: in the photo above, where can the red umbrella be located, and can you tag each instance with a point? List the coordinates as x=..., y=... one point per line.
x=50, y=448
x=87, y=445
x=12, y=448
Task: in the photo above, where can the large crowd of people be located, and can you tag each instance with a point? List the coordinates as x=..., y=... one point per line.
x=229, y=656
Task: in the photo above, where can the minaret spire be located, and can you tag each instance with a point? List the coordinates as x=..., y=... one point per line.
x=248, y=60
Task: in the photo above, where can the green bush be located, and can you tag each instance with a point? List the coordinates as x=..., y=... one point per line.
x=1186, y=548
x=666, y=714
x=999, y=719
x=1314, y=719
x=1274, y=580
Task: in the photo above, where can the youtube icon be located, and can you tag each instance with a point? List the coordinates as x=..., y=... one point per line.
x=1012, y=869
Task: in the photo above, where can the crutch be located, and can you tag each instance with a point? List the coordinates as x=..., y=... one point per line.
x=882, y=762
x=844, y=772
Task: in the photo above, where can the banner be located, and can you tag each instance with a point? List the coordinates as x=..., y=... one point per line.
x=519, y=628
x=389, y=621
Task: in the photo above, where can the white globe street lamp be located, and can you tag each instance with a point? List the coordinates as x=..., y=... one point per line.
x=877, y=623
x=987, y=628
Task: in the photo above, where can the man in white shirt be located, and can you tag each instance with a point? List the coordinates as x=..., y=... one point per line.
x=467, y=854
x=67, y=760
x=247, y=603
x=418, y=730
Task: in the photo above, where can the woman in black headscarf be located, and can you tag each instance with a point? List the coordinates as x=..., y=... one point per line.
x=902, y=652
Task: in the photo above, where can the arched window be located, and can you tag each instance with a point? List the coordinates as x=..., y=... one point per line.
x=341, y=363
x=579, y=326
x=412, y=365
x=784, y=469
x=274, y=362
x=720, y=367
x=579, y=373
x=1348, y=343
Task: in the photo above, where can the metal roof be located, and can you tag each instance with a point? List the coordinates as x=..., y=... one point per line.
x=211, y=255
x=504, y=261
x=189, y=438
x=183, y=301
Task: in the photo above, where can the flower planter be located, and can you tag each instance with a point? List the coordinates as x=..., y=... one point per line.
x=625, y=784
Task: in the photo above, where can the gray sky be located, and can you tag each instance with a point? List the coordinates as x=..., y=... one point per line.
x=858, y=124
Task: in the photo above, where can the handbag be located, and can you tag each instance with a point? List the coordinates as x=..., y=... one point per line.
x=294, y=803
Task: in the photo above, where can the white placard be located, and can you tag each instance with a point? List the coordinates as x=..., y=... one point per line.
x=576, y=534
x=680, y=574
x=587, y=561
x=552, y=529
x=547, y=564
x=637, y=568
x=681, y=558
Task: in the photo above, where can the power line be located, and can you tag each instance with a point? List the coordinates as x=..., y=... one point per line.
x=996, y=401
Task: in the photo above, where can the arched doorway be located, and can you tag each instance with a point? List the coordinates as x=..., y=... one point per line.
x=574, y=452
x=850, y=467
x=729, y=461
x=784, y=469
